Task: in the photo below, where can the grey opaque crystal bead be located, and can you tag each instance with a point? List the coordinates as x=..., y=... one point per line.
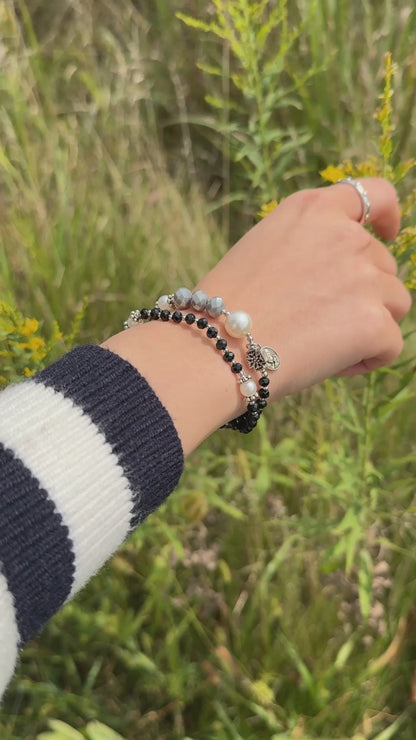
x=182, y=297
x=163, y=302
x=215, y=306
x=199, y=300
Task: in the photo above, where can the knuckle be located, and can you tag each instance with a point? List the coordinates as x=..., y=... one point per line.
x=390, y=189
x=354, y=232
x=307, y=200
x=372, y=316
x=396, y=342
x=384, y=337
x=367, y=273
x=391, y=262
x=351, y=235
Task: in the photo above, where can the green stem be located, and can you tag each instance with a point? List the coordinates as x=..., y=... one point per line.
x=366, y=444
x=257, y=86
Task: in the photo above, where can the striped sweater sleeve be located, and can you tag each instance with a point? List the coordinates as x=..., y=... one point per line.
x=87, y=451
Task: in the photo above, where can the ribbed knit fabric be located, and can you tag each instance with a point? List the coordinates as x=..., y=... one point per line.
x=87, y=451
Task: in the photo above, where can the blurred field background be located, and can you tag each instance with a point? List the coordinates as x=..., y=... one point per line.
x=273, y=596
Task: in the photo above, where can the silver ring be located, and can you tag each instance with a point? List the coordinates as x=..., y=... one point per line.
x=365, y=200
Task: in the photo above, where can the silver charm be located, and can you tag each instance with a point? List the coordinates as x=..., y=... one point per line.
x=262, y=358
x=271, y=358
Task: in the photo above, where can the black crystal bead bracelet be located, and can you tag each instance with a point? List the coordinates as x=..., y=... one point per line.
x=254, y=397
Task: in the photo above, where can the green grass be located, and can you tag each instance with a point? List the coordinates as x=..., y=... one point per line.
x=273, y=595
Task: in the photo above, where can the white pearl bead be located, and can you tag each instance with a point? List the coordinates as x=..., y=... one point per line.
x=238, y=323
x=248, y=388
x=163, y=302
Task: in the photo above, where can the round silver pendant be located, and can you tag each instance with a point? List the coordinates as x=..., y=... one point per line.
x=271, y=358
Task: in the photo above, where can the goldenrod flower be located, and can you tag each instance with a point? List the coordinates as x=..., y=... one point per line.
x=267, y=208
x=29, y=326
x=333, y=174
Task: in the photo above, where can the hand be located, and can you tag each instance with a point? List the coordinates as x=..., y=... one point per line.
x=319, y=287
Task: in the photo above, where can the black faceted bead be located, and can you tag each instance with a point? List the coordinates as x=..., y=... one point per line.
x=155, y=313
x=252, y=406
x=190, y=318
x=202, y=323
x=165, y=315
x=228, y=356
x=212, y=332
x=264, y=381
x=248, y=426
x=254, y=416
x=144, y=313
x=264, y=393
x=221, y=344
x=261, y=403
x=177, y=317
x=236, y=367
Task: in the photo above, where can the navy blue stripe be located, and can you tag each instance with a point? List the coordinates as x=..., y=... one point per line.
x=134, y=422
x=35, y=549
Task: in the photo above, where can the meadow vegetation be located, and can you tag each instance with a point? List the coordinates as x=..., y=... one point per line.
x=273, y=596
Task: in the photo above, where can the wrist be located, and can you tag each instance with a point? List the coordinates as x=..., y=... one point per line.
x=189, y=377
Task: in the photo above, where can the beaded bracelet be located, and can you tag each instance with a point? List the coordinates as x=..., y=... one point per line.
x=256, y=399
x=237, y=324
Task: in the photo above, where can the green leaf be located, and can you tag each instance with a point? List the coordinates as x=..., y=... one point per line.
x=98, y=731
x=344, y=653
x=209, y=69
x=392, y=732
x=227, y=508
x=60, y=731
x=188, y=20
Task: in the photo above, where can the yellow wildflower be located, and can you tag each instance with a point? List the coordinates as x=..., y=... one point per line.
x=267, y=208
x=332, y=174
x=36, y=343
x=29, y=327
x=57, y=334
x=37, y=346
x=28, y=373
x=369, y=168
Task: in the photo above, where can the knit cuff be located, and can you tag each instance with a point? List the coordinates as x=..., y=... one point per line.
x=87, y=451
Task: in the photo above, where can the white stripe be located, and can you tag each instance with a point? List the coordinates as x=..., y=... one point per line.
x=9, y=635
x=73, y=462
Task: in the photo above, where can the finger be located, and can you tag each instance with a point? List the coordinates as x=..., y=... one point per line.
x=384, y=206
x=396, y=297
x=387, y=354
x=359, y=369
x=381, y=257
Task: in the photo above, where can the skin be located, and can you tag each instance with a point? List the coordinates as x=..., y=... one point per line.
x=320, y=289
